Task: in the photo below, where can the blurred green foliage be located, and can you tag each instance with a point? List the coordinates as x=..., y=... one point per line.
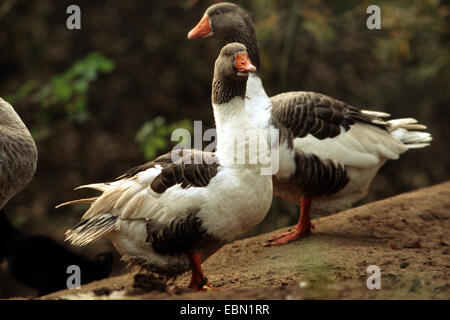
x=68, y=89
x=154, y=137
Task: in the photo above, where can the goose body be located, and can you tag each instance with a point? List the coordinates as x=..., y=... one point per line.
x=49, y=259
x=18, y=153
x=171, y=214
x=329, y=151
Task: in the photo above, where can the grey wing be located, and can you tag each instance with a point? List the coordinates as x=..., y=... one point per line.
x=192, y=169
x=297, y=114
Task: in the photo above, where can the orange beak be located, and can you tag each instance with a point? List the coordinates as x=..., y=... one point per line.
x=202, y=29
x=243, y=64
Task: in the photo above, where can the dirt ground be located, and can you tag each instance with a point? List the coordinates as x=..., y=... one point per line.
x=407, y=236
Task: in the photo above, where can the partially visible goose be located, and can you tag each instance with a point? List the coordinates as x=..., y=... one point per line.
x=329, y=151
x=18, y=159
x=168, y=215
x=18, y=153
x=34, y=260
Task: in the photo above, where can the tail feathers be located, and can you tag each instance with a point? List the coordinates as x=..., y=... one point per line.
x=86, y=200
x=96, y=186
x=399, y=129
x=378, y=114
x=405, y=123
x=90, y=230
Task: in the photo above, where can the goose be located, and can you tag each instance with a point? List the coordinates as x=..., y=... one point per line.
x=329, y=151
x=18, y=160
x=34, y=260
x=18, y=154
x=169, y=215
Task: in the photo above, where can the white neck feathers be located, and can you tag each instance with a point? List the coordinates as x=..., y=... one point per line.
x=239, y=141
x=257, y=102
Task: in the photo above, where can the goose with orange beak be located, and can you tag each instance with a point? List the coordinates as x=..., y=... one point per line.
x=329, y=150
x=202, y=29
x=169, y=215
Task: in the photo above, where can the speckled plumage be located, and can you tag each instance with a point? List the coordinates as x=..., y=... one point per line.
x=191, y=168
x=18, y=153
x=304, y=113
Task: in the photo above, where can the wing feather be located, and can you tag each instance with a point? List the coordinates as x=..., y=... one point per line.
x=155, y=188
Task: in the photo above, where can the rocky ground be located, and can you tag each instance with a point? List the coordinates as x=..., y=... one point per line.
x=407, y=236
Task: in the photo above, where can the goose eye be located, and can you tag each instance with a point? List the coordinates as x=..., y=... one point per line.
x=217, y=12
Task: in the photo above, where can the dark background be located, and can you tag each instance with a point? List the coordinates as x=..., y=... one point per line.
x=105, y=98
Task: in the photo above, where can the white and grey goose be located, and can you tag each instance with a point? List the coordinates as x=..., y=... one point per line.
x=329, y=151
x=168, y=216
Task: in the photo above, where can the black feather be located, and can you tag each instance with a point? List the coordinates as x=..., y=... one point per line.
x=181, y=236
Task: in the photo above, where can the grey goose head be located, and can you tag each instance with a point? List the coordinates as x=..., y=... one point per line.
x=231, y=72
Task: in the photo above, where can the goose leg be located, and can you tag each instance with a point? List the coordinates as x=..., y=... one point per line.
x=198, y=280
x=303, y=228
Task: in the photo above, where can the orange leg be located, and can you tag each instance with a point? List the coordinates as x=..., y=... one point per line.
x=198, y=280
x=303, y=228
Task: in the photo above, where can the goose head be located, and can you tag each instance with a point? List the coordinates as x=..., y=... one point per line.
x=231, y=72
x=228, y=22
x=233, y=62
x=220, y=20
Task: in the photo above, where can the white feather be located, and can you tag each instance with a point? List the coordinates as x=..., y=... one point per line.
x=376, y=113
x=362, y=146
x=257, y=102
